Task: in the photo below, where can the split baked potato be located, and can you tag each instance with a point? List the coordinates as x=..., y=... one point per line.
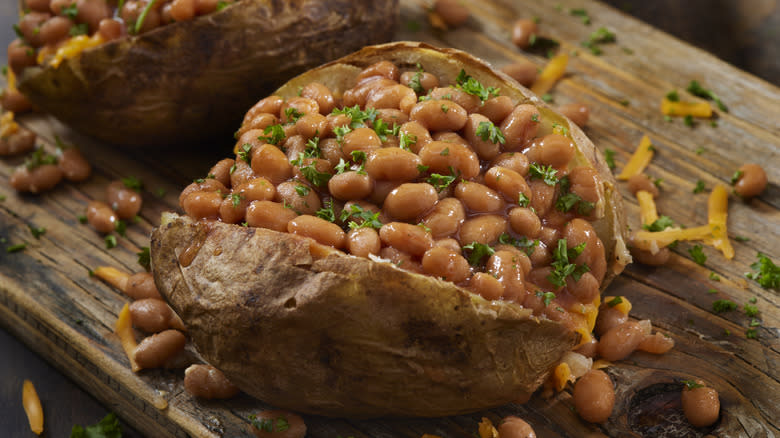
x=191, y=81
x=305, y=326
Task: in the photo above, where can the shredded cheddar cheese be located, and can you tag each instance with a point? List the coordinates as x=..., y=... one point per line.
x=648, y=212
x=553, y=71
x=639, y=160
x=561, y=375
x=8, y=125
x=112, y=276
x=32, y=407
x=75, y=46
x=124, y=329
x=601, y=363
x=486, y=429
x=682, y=109
x=717, y=211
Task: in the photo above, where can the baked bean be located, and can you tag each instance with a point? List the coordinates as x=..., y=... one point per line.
x=73, y=165
x=523, y=72
x=330, y=149
x=588, y=349
x=543, y=196
x=479, y=198
x=510, y=184
x=381, y=190
x=410, y=200
x=296, y=107
x=444, y=158
x=520, y=257
x=541, y=278
x=520, y=126
x=620, y=341
x=268, y=214
x=751, y=182
x=111, y=29
x=92, y=11
x=312, y=125
x=608, y=318
x=259, y=122
x=449, y=243
x=249, y=140
x=54, y=30
x=324, y=171
x=468, y=102
x=124, y=201
x=294, y=146
x=646, y=257
x=336, y=121
x=55, y=6
x=540, y=254
x=585, y=290
x=485, y=149
x=37, y=5
x=515, y=427
x=101, y=217
x=257, y=189
x=202, y=205
x=131, y=12
x=642, y=182
x=322, y=231
x=525, y=222
x=271, y=163
x=152, y=315
x=452, y=12
x=522, y=31
x=445, y=218
x=358, y=94
x=656, y=344
x=497, y=108
x=17, y=143
x=156, y=350
x=394, y=164
x=417, y=134
x=321, y=94
x=20, y=56
x=411, y=239
x=183, y=10
x=361, y=139
x=576, y=112
x=450, y=137
x=486, y=285
x=388, y=97
x=207, y=382
x=446, y=264
x=233, y=208
x=298, y=196
x=141, y=286
x=39, y=179
x=384, y=69
x=221, y=171
x=363, y=241
x=270, y=105
x=14, y=101
x=350, y=185
x=701, y=405
x=578, y=231
x=241, y=173
x=439, y=115
x=594, y=396
x=401, y=259
x=420, y=81
x=292, y=426
x=391, y=117
x=406, y=104
x=504, y=266
x=514, y=161
x=585, y=182
x=30, y=27
x=204, y=185
x=552, y=149
x=483, y=229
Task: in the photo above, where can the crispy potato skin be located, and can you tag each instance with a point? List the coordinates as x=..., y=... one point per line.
x=342, y=335
x=338, y=335
x=191, y=81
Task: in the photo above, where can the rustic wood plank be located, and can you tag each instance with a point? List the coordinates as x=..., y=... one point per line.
x=48, y=299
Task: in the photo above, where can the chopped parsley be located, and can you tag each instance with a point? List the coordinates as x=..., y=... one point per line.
x=110, y=241
x=700, y=150
x=546, y=297
x=601, y=36
x=108, y=427
x=688, y=121
x=414, y=83
x=37, y=232
x=474, y=87
x=342, y=167
x=310, y=171
x=720, y=306
x=70, y=11
x=673, y=96
x=139, y=23
x=567, y=200
x=133, y=183
x=699, y=187
x=340, y=132
x=313, y=148
x=691, y=384
x=582, y=13
x=697, y=90
x=222, y=4
x=767, y=274
x=441, y=182
x=488, y=131
x=292, y=114
x=609, y=157
x=15, y=248
x=751, y=333
x=561, y=266
x=544, y=173
x=145, y=258
x=366, y=218
x=750, y=310
x=121, y=228
x=698, y=254
x=382, y=130
x=445, y=152
x=523, y=242
x=39, y=157
x=615, y=301
x=273, y=134
x=406, y=140
x=79, y=29
x=235, y=198
x=476, y=252
x=714, y=276
x=741, y=238
x=327, y=212
x=278, y=424
x=82, y=218
x=444, y=108
x=245, y=153
x=547, y=97
x=358, y=117
x=660, y=224
x=523, y=200
x=736, y=176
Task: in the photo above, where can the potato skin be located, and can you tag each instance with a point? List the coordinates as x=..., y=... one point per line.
x=345, y=336
x=308, y=328
x=190, y=81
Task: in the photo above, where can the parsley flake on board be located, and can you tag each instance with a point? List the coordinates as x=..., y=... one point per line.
x=750, y=310
x=766, y=274
x=121, y=228
x=696, y=89
x=601, y=36
x=474, y=87
x=609, y=157
x=544, y=173
x=487, y=131
x=145, y=258
x=108, y=427
x=477, y=252
x=561, y=266
x=699, y=187
x=582, y=13
x=697, y=254
x=15, y=248
x=37, y=232
x=714, y=276
x=110, y=241
x=673, y=96
x=751, y=333
x=720, y=306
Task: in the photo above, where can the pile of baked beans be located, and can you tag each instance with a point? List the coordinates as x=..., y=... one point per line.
x=47, y=24
x=450, y=180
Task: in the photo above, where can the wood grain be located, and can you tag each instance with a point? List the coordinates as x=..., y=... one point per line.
x=49, y=300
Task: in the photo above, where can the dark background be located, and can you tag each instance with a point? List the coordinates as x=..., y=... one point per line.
x=743, y=33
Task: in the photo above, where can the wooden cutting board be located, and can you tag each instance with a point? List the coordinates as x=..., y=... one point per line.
x=49, y=300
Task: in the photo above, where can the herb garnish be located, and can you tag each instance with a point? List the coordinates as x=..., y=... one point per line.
x=546, y=297
x=358, y=116
x=327, y=212
x=698, y=254
x=406, y=140
x=561, y=266
x=277, y=134
x=382, y=130
x=310, y=171
x=582, y=13
x=673, y=96
x=488, y=131
x=441, y=182
x=477, y=252
x=16, y=248
x=736, y=176
x=767, y=273
x=601, y=36
x=523, y=242
x=697, y=90
x=414, y=83
x=141, y=18
x=365, y=218
x=292, y=114
x=108, y=427
x=474, y=87
x=523, y=200
x=720, y=306
x=39, y=157
x=699, y=187
x=145, y=258
x=660, y=224
x=245, y=153
x=691, y=384
x=615, y=301
x=750, y=310
x=544, y=173
x=609, y=157
x=279, y=424
x=568, y=199
x=110, y=241
x=37, y=232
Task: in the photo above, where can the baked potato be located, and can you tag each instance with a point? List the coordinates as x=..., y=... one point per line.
x=297, y=319
x=191, y=81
